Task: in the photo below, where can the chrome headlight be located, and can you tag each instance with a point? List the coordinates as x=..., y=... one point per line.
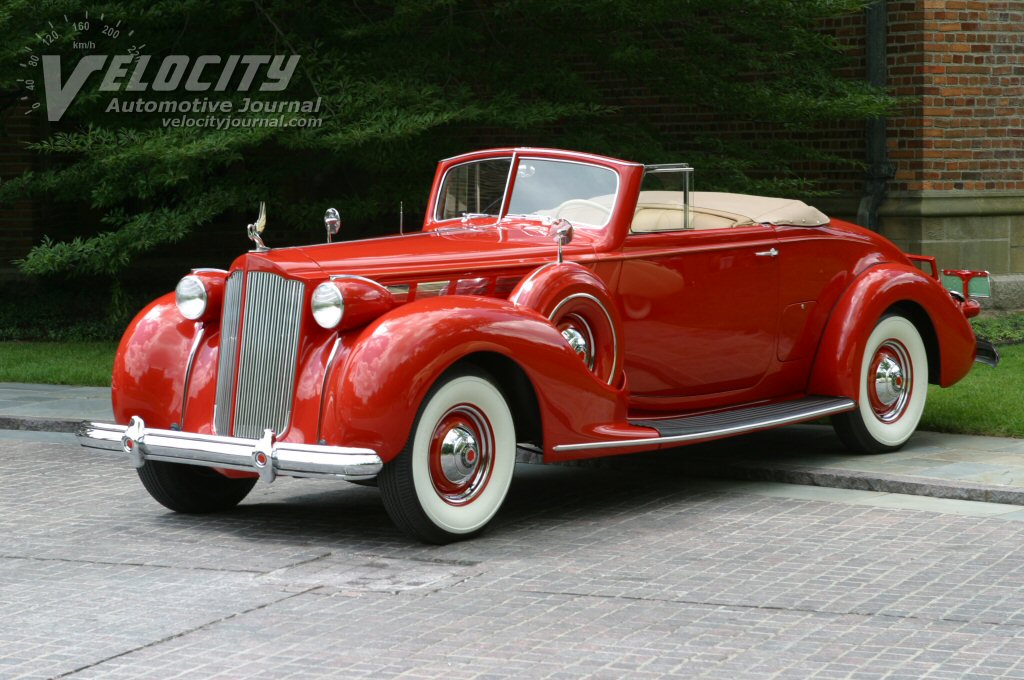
x=190, y=294
x=328, y=305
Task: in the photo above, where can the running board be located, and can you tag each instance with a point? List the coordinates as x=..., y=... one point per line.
x=725, y=423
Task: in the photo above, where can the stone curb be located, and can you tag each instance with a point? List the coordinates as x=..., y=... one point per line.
x=38, y=424
x=869, y=481
x=814, y=476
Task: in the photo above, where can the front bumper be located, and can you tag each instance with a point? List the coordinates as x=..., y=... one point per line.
x=263, y=456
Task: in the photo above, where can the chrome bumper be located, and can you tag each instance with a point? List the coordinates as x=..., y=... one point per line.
x=263, y=456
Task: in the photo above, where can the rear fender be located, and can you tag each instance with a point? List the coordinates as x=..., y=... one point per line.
x=903, y=289
x=374, y=397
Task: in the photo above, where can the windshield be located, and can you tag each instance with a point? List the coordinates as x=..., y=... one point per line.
x=583, y=194
x=473, y=188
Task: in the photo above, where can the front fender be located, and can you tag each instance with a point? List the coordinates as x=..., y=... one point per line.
x=374, y=397
x=837, y=364
x=149, y=368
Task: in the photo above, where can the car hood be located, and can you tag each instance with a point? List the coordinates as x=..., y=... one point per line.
x=418, y=253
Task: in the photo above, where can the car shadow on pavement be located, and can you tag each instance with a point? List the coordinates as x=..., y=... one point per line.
x=549, y=495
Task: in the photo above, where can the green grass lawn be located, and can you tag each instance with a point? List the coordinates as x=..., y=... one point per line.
x=57, y=363
x=988, y=401
x=1002, y=328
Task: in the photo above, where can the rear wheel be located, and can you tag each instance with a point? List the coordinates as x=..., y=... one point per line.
x=192, y=489
x=893, y=389
x=454, y=473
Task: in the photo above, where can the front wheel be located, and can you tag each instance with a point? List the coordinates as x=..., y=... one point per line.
x=454, y=473
x=192, y=489
x=893, y=389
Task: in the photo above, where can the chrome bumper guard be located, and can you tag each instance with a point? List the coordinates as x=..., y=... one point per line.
x=263, y=456
x=986, y=353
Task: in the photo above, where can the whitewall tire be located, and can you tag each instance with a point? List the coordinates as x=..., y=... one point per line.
x=893, y=389
x=457, y=467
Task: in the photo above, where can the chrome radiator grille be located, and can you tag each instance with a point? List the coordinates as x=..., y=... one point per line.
x=228, y=352
x=267, y=347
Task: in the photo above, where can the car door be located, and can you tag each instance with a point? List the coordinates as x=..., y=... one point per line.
x=699, y=309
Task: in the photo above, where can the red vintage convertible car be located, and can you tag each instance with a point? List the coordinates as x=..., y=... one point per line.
x=560, y=302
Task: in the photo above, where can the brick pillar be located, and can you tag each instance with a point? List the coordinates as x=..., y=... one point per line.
x=959, y=149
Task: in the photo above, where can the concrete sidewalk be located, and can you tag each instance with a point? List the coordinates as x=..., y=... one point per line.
x=954, y=466
x=51, y=408
x=988, y=469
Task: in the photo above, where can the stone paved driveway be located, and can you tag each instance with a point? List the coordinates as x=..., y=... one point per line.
x=606, y=573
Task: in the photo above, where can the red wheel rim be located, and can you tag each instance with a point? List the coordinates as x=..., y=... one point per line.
x=461, y=454
x=890, y=381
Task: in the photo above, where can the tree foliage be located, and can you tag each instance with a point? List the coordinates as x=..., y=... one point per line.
x=405, y=82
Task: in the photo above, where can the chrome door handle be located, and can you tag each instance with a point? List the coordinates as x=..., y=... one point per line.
x=767, y=253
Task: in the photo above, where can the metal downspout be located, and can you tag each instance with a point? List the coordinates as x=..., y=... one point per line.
x=880, y=170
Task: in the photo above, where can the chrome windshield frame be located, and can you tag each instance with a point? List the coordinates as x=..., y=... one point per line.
x=516, y=158
x=444, y=178
x=687, y=170
x=513, y=168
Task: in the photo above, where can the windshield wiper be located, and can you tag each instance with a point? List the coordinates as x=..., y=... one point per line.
x=546, y=220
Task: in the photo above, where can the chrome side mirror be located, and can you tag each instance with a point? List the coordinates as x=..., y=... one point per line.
x=562, y=230
x=332, y=222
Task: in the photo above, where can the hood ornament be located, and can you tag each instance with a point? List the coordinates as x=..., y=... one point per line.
x=256, y=228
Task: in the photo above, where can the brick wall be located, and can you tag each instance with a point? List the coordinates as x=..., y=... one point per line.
x=965, y=61
x=959, y=149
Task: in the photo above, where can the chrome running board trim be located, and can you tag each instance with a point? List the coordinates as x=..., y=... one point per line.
x=724, y=423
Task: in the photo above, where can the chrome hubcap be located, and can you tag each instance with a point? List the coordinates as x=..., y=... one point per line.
x=580, y=337
x=577, y=342
x=890, y=381
x=460, y=455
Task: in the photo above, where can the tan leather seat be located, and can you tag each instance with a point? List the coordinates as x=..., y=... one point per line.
x=590, y=211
